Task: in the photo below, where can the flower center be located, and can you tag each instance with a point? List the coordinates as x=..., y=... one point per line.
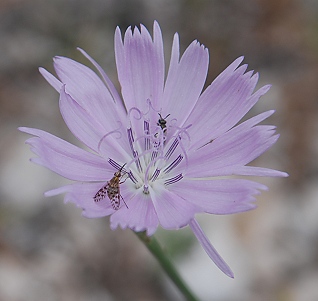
x=157, y=150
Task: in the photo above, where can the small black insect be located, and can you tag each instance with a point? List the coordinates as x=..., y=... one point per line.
x=162, y=122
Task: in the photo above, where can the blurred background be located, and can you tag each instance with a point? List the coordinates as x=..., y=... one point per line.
x=49, y=252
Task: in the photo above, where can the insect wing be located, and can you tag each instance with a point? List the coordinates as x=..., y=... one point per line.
x=115, y=201
x=112, y=190
x=101, y=193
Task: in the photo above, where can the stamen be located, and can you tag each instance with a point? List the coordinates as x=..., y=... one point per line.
x=178, y=142
x=140, y=114
x=158, y=146
x=137, y=157
x=154, y=143
x=154, y=155
x=172, y=148
x=182, y=130
x=174, y=179
x=151, y=106
x=138, y=164
x=147, y=139
x=130, y=139
x=184, y=152
x=157, y=143
x=132, y=177
x=146, y=176
x=146, y=189
x=115, y=164
x=173, y=122
x=155, y=175
x=174, y=164
x=121, y=167
x=135, y=153
x=110, y=133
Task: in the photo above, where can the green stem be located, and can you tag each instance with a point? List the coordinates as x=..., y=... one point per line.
x=153, y=246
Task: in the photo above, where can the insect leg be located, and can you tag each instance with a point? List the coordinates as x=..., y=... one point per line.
x=123, y=201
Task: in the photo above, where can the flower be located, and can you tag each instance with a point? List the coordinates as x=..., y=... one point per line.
x=158, y=149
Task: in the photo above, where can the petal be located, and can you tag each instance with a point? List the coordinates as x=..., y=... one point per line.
x=82, y=195
x=173, y=211
x=140, y=65
x=119, y=53
x=91, y=132
x=209, y=249
x=88, y=90
x=235, y=148
x=254, y=120
x=116, y=97
x=66, y=159
x=80, y=122
x=224, y=196
x=139, y=216
x=185, y=80
x=174, y=60
x=258, y=171
x=224, y=103
x=51, y=79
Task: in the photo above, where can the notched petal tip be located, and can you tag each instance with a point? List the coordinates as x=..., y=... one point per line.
x=50, y=78
x=58, y=58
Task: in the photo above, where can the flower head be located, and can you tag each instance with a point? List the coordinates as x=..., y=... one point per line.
x=158, y=148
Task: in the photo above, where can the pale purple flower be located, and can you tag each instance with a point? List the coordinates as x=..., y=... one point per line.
x=170, y=141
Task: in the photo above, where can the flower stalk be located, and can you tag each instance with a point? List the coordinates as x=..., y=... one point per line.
x=154, y=247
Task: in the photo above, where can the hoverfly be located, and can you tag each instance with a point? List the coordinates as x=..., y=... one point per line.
x=162, y=122
x=112, y=190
